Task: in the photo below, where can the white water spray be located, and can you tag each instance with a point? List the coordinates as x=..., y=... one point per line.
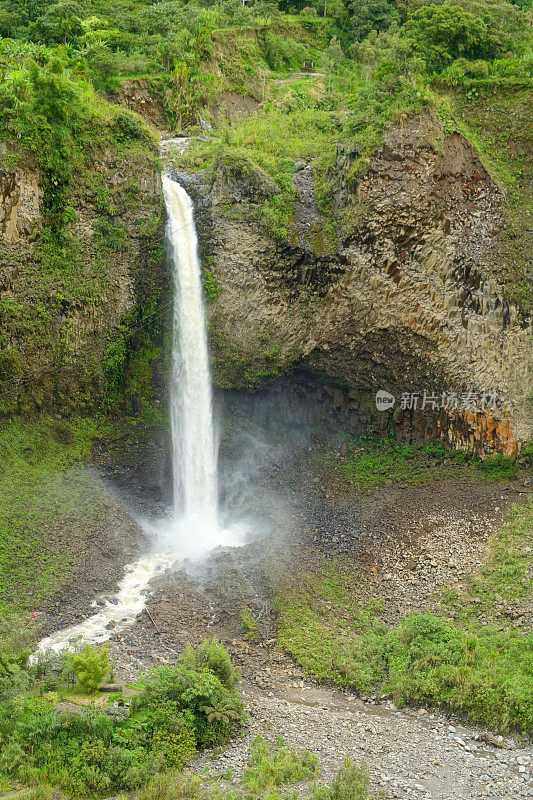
x=191, y=414
x=193, y=529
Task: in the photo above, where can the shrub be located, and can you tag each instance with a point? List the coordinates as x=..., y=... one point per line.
x=16, y=634
x=213, y=656
x=90, y=666
x=350, y=783
x=177, y=748
x=197, y=693
x=129, y=769
x=446, y=32
x=211, y=286
x=277, y=765
x=112, y=235
x=483, y=674
x=95, y=752
x=127, y=125
x=12, y=757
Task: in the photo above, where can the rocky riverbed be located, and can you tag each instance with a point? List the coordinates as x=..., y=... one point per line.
x=404, y=543
x=406, y=552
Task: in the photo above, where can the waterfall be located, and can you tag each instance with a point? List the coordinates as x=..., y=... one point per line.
x=193, y=530
x=191, y=414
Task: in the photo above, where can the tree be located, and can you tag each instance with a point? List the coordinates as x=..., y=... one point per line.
x=60, y=24
x=26, y=10
x=504, y=20
x=90, y=666
x=9, y=22
x=333, y=58
x=371, y=15
x=444, y=33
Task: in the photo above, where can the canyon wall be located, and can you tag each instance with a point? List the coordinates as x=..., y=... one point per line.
x=70, y=306
x=405, y=295
x=398, y=287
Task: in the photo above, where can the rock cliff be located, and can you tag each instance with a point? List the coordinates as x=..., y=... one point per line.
x=399, y=288
x=68, y=316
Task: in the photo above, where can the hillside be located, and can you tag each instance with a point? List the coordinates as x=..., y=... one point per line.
x=266, y=399
x=81, y=257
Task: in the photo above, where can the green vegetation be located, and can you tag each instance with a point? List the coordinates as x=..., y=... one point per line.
x=496, y=120
x=271, y=766
x=43, y=493
x=58, y=132
x=212, y=656
x=504, y=577
x=50, y=505
x=471, y=665
x=249, y=624
x=264, y=360
x=17, y=634
x=367, y=461
x=211, y=287
x=279, y=768
x=90, y=666
x=178, y=710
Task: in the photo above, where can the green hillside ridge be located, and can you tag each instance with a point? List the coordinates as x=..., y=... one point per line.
x=63, y=65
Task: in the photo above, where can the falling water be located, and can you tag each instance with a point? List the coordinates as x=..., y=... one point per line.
x=193, y=530
x=193, y=444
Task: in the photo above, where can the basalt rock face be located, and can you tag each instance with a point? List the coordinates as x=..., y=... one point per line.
x=64, y=318
x=401, y=298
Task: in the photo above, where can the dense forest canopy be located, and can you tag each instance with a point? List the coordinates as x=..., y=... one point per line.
x=102, y=42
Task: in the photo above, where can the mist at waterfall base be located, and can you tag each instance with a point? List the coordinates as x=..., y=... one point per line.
x=192, y=530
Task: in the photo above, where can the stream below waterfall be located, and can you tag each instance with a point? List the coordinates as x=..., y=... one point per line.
x=192, y=529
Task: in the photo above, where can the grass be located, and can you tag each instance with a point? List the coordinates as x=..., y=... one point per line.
x=472, y=666
x=497, y=123
x=46, y=499
x=300, y=120
x=249, y=624
x=504, y=578
x=367, y=462
x=278, y=768
x=262, y=149
x=271, y=766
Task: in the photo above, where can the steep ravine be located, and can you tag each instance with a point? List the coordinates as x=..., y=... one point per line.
x=399, y=288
